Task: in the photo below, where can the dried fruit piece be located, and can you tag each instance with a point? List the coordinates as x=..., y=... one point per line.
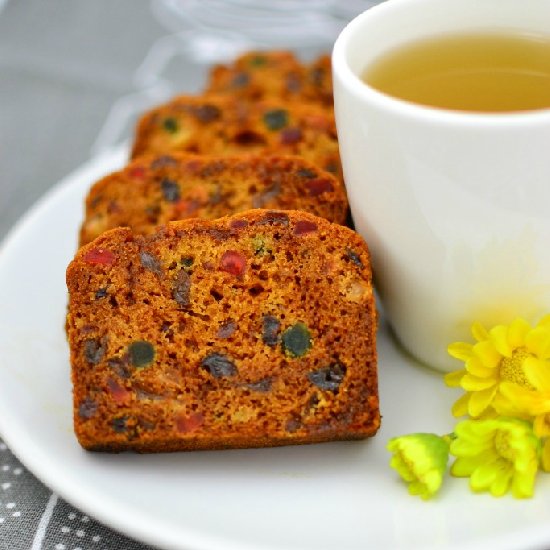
x=240, y=80
x=189, y=423
x=136, y=172
x=87, y=408
x=328, y=378
x=120, y=424
x=257, y=61
x=218, y=365
x=120, y=394
x=303, y=226
x=187, y=261
x=274, y=218
x=227, y=329
x=296, y=340
x=99, y=256
x=101, y=293
x=263, y=386
x=181, y=288
x=207, y=113
x=233, y=262
x=162, y=161
x=119, y=366
x=148, y=261
x=270, y=330
x=354, y=257
x=93, y=351
x=170, y=190
x=171, y=125
x=141, y=353
x=318, y=186
x=276, y=119
x=306, y=173
x=291, y=135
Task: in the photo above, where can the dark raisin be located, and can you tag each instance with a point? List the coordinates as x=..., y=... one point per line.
x=296, y=340
x=119, y=366
x=207, y=113
x=170, y=125
x=170, y=190
x=293, y=424
x=276, y=119
x=148, y=261
x=264, y=385
x=317, y=76
x=120, y=424
x=274, y=218
x=240, y=80
x=186, y=261
x=306, y=173
x=141, y=353
x=270, y=330
x=101, y=293
x=291, y=135
x=162, y=161
x=238, y=224
x=260, y=200
x=293, y=82
x=181, y=288
x=249, y=137
x=303, y=227
x=93, y=351
x=318, y=186
x=218, y=365
x=227, y=329
x=87, y=408
x=354, y=257
x=328, y=378
x=233, y=262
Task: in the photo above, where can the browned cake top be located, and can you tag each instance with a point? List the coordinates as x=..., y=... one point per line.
x=227, y=126
x=254, y=329
x=262, y=74
x=153, y=191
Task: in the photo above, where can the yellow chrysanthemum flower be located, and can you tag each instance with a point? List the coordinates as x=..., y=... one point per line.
x=495, y=454
x=421, y=460
x=499, y=355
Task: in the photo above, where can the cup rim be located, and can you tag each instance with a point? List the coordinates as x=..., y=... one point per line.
x=342, y=71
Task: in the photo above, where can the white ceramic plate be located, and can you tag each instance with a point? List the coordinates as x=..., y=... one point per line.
x=337, y=496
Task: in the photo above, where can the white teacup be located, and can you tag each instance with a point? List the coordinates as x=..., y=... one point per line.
x=454, y=206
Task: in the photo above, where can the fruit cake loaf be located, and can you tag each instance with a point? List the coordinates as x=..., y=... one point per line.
x=261, y=74
x=152, y=191
x=253, y=330
x=227, y=126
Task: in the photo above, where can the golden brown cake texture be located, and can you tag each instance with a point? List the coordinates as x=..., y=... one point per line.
x=262, y=74
x=221, y=125
x=252, y=330
x=152, y=191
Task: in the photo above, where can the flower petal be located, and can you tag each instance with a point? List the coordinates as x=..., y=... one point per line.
x=501, y=483
x=538, y=342
x=474, y=384
x=545, y=456
x=489, y=356
x=460, y=350
x=483, y=477
x=480, y=400
x=517, y=331
x=537, y=372
x=523, y=484
x=541, y=425
x=460, y=407
x=479, y=332
x=453, y=378
x=476, y=367
x=499, y=338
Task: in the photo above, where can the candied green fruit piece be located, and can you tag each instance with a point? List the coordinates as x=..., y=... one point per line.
x=141, y=353
x=171, y=125
x=296, y=340
x=276, y=119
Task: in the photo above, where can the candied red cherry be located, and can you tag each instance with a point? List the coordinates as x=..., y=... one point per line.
x=233, y=262
x=99, y=256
